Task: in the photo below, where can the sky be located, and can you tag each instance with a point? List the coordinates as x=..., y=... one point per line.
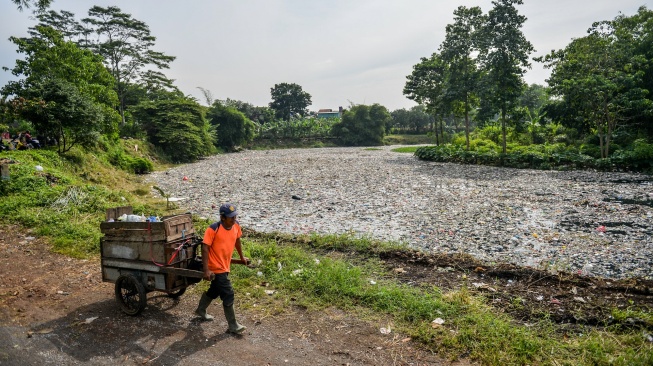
x=339, y=51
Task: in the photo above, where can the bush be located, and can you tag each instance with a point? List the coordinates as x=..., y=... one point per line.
x=127, y=163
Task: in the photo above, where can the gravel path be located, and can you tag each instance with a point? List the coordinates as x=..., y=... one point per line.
x=599, y=224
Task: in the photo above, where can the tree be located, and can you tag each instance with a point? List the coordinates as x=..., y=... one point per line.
x=457, y=52
x=504, y=56
x=26, y=4
x=363, y=125
x=260, y=115
x=126, y=46
x=208, y=96
x=426, y=86
x=289, y=100
x=416, y=119
x=66, y=24
x=232, y=127
x=66, y=91
x=636, y=33
x=59, y=110
x=177, y=126
x=598, y=77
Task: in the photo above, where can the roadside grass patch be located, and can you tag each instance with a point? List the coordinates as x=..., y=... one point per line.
x=405, y=139
x=406, y=149
x=310, y=272
x=65, y=197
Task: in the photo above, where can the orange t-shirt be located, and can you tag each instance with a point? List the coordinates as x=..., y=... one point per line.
x=221, y=246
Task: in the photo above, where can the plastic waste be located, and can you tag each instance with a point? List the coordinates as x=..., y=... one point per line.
x=38, y=168
x=131, y=218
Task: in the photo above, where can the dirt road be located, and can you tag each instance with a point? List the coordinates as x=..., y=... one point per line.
x=55, y=310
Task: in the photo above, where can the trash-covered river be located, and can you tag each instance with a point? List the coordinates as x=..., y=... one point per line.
x=593, y=223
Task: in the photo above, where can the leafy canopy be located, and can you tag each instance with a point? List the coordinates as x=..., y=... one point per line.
x=363, y=125
x=66, y=92
x=289, y=100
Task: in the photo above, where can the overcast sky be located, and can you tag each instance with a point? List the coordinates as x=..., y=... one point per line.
x=357, y=51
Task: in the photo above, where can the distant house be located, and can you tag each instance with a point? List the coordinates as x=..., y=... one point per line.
x=329, y=113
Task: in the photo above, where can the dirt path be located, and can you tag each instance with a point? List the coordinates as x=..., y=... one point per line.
x=55, y=310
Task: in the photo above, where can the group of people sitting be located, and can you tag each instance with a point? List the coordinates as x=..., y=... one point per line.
x=22, y=141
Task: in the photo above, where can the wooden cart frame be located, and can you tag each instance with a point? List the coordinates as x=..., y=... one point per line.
x=141, y=257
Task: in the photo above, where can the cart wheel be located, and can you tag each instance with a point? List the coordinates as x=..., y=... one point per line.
x=176, y=294
x=130, y=294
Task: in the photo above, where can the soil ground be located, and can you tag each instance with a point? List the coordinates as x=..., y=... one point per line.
x=55, y=310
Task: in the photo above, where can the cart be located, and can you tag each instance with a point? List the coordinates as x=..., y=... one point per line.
x=141, y=257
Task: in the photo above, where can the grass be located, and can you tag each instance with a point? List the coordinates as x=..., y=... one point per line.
x=65, y=198
x=406, y=149
x=320, y=272
x=66, y=201
x=408, y=140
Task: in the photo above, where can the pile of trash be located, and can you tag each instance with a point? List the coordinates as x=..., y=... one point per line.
x=136, y=218
x=591, y=223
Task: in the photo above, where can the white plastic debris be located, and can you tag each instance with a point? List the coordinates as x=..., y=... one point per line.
x=486, y=206
x=385, y=330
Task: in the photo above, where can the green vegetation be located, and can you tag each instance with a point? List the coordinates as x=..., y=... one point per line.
x=407, y=140
x=485, y=150
x=342, y=271
x=231, y=126
x=407, y=149
x=362, y=125
x=297, y=128
x=65, y=197
x=289, y=101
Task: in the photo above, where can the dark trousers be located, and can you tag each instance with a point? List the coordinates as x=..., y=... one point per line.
x=221, y=286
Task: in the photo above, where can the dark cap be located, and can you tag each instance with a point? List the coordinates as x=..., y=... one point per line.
x=228, y=209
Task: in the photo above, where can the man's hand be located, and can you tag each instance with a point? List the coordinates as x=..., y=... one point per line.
x=244, y=261
x=208, y=275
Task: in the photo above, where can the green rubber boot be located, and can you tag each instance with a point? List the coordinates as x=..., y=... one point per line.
x=205, y=301
x=230, y=314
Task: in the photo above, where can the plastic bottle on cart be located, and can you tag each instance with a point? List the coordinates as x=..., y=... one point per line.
x=131, y=218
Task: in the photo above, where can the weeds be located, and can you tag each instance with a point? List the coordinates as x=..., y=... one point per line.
x=320, y=272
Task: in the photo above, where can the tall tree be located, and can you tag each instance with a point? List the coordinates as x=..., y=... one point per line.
x=65, y=23
x=458, y=51
x=126, y=46
x=599, y=78
x=66, y=92
x=426, y=86
x=504, y=56
x=208, y=96
x=636, y=31
x=27, y=4
x=289, y=100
